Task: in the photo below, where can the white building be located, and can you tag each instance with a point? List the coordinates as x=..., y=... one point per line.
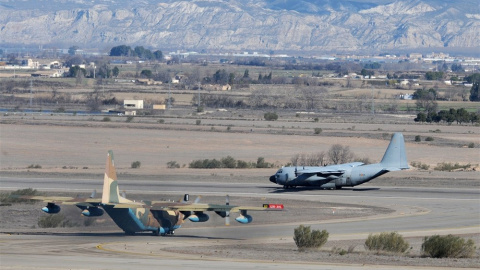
x=133, y=104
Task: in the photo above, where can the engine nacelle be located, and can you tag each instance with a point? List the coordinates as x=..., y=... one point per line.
x=198, y=217
x=92, y=212
x=51, y=208
x=244, y=219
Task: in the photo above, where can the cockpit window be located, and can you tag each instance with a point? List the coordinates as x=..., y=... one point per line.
x=279, y=171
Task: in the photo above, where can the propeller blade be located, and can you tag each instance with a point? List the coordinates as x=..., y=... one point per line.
x=197, y=199
x=124, y=194
x=227, y=220
x=227, y=213
x=94, y=193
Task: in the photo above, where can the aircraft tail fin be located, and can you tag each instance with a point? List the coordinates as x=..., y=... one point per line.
x=395, y=158
x=111, y=192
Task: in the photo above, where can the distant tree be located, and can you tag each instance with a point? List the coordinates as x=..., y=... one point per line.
x=432, y=75
x=231, y=78
x=72, y=50
x=473, y=78
x=158, y=55
x=75, y=70
x=12, y=59
x=457, y=68
x=475, y=92
x=340, y=154
x=221, y=77
x=143, y=53
x=366, y=72
x=421, y=117
x=270, y=116
x=115, y=71
x=104, y=70
x=122, y=50
x=374, y=65
x=74, y=60
x=245, y=74
x=146, y=73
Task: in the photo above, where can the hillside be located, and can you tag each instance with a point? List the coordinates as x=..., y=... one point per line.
x=265, y=25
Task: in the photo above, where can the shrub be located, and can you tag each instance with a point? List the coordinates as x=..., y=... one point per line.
x=136, y=164
x=386, y=241
x=450, y=167
x=88, y=221
x=228, y=162
x=420, y=165
x=270, y=116
x=242, y=164
x=172, y=165
x=471, y=145
x=12, y=197
x=161, y=121
x=418, y=138
x=129, y=119
x=106, y=119
x=429, y=139
x=317, y=130
x=305, y=238
x=449, y=246
x=36, y=166
x=53, y=221
x=198, y=122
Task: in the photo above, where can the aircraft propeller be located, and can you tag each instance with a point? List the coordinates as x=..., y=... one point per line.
x=227, y=213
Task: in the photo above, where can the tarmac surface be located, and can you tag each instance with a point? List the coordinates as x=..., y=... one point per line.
x=417, y=212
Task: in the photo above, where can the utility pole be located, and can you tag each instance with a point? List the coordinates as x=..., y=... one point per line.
x=168, y=100
x=31, y=93
x=373, y=104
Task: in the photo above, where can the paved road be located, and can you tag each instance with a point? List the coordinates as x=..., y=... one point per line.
x=419, y=212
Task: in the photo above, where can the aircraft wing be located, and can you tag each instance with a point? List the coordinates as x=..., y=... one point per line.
x=200, y=207
x=335, y=170
x=61, y=200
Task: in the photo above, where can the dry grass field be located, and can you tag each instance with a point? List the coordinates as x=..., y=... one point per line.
x=77, y=144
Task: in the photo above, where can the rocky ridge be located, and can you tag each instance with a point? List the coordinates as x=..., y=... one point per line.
x=268, y=25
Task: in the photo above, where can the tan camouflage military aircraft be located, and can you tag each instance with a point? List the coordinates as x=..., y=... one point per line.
x=159, y=217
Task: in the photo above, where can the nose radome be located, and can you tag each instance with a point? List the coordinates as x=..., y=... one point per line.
x=273, y=179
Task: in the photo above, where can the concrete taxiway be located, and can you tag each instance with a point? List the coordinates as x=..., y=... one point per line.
x=418, y=212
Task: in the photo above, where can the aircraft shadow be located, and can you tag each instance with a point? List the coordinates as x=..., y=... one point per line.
x=116, y=234
x=300, y=189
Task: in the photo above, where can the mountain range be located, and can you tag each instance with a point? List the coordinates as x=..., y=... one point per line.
x=272, y=26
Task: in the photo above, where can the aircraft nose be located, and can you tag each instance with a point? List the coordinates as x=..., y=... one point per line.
x=273, y=179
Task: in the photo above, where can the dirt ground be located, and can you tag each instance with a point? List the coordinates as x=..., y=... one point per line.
x=75, y=146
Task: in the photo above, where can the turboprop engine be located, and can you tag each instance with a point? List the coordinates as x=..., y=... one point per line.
x=51, y=208
x=92, y=212
x=198, y=217
x=244, y=218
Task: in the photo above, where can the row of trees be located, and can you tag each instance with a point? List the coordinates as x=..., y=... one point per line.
x=449, y=116
x=229, y=162
x=138, y=51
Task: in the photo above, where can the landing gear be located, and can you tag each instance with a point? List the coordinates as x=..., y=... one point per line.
x=168, y=233
x=287, y=187
x=156, y=232
x=129, y=233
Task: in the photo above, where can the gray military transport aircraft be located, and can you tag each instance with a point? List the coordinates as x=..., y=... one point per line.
x=347, y=174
